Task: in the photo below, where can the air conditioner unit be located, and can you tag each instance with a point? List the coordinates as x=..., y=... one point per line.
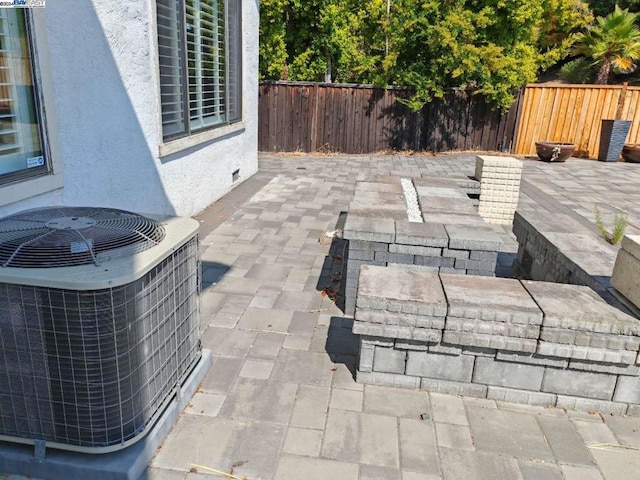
x=98, y=324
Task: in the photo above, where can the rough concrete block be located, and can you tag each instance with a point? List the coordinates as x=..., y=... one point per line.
x=361, y=254
x=590, y=339
x=473, y=237
x=480, y=351
x=628, y=390
x=445, y=349
x=497, y=299
x=388, y=379
x=586, y=353
x=532, y=359
x=452, y=271
x=416, y=250
x=370, y=329
x=590, y=405
x=613, y=368
x=491, y=328
x=431, y=261
x=426, y=335
x=370, y=229
x=376, y=341
x=444, y=367
x=389, y=360
x=575, y=383
x=520, y=396
x=578, y=307
x=626, y=276
x=453, y=388
x=403, y=319
x=506, y=374
x=424, y=234
x=388, y=257
x=490, y=341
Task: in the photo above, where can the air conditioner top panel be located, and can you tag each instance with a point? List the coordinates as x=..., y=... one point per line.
x=111, y=270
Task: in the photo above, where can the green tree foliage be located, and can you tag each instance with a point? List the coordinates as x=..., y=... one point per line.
x=613, y=44
x=602, y=8
x=491, y=47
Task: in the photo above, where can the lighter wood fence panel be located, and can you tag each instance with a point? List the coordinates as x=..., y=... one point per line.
x=574, y=113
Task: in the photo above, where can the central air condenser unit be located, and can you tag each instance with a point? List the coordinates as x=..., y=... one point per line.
x=98, y=324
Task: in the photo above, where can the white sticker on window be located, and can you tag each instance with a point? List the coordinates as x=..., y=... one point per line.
x=81, y=247
x=35, y=162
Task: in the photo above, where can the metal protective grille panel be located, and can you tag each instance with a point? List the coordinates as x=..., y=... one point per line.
x=92, y=368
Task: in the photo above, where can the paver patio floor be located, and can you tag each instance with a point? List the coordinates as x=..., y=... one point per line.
x=280, y=401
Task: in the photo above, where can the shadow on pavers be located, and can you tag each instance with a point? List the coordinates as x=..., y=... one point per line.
x=342, y=344
x=332, y=278
x=212, y=273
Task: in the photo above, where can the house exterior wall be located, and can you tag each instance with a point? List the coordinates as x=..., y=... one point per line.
x=99, y=80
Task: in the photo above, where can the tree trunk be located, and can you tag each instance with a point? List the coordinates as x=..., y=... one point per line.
x=327, y=73
x=602, y=78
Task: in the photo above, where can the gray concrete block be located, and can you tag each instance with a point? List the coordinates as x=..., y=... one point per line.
x=480, y=351
x=411, y=345
x=473, y=237
x=628, y=390
x=370, y=329
x=452, y=271
x=520, y=396
x=365, y=363
x=533, y=359
x=370, y=229
x=491, y=328
x=388, y=379
x=506, y=374
x=370, y=246
x=575, y=383
x=482, y=273
x=612, y=368
x=398, y=284
x=453, y=388
x=416, y=250
x=426, y=335
x=577, y=307
x=475, y=265
x=445, y=349
x=424, y=234
x=389, y=360
x=444, y=367
x=490, y=341
x=361, y=254
x=490, y=256
x=432, y=261
x=586, y=353
x=461, y=254
x=590, y=405
x=498, y=299
x=403, y=319
x=377, y=341
x=388, y=257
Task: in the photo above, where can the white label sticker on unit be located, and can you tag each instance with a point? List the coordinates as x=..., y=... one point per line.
x=35, y=162
x=81, y=247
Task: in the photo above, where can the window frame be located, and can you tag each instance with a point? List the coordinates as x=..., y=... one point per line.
x=206, y=132
x=38, y=107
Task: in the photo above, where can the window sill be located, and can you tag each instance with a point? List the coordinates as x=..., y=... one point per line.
x=28, y=188
x=175, y=146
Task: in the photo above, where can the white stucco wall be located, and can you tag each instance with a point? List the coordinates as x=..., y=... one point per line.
x=100, y=82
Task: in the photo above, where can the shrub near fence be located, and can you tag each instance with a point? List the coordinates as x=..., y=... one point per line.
x=312, y=117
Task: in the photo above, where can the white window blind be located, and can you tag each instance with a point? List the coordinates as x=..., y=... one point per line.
x=200, y=64
x=20, y=146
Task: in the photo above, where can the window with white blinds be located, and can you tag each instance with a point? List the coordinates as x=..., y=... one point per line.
x=21, y=152
x=200, y=64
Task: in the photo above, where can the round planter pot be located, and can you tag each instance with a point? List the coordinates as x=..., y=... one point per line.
x=631, y=152
x=554, y=151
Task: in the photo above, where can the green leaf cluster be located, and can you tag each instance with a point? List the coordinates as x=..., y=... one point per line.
x=492, y=47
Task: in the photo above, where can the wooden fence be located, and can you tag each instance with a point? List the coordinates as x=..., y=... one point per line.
x=362, y=119
x=573, y=113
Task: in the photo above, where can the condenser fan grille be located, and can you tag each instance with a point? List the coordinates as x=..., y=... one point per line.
x=69, y=236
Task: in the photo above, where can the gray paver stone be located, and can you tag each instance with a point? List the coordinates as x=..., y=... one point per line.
x=389, y=360
x=388, y=379
x=416, y=250
x=584, y=384
x=566, y=444
x=424, y=234
x=520, y=396
x=371, y=229
x=613, y=368
x=418, y=450
x=628, y=390
x=586, y=353
x=590, y=405
x=473, y=237
x=490, y=341
x=453, y=388
x=532, y=359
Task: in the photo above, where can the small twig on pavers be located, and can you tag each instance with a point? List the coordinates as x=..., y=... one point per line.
x=217, y=472
x=611, y=446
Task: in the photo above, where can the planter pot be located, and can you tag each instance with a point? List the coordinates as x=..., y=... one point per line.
x=612, y=138
x=631, y=152
x=554, y=151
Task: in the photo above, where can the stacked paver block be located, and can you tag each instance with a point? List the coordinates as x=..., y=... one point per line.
x=557, y=248
x=626, y=271
x=499, y=188
x=452, y=239
x=528, y=342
